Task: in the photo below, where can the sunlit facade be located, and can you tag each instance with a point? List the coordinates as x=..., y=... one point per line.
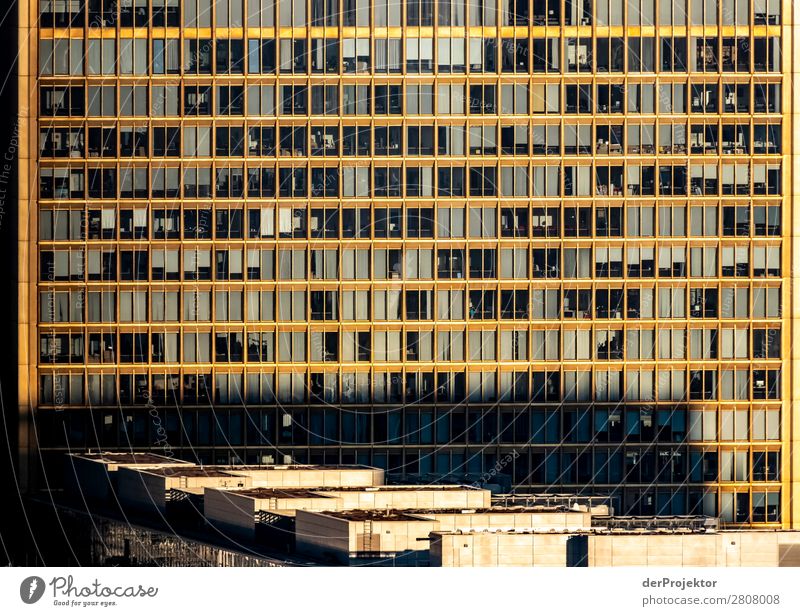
x=547, y=239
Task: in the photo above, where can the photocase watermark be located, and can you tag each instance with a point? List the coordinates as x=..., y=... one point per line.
x=161, y=440
x=66, y=592
x=31, y=589
x=492, y=472
x=6, y=169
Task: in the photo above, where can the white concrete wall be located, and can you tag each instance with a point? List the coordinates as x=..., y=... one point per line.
x=399, y=535
x=201, y=481
x=422, y=498
x=498, y=520
x=230, y=512
x=313, y=477
x=499, y=550
x=141, y=490
x=725, y=549
x=95, y=479
x=289, y=505
x=321, y=536
x=145, y=490
x=89, y=479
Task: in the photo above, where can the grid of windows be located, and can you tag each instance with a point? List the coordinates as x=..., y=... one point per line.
x=420, y=235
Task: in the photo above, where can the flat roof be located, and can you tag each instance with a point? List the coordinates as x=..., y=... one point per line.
x=191, y=471
x=359, y=515
x=188, y=491
x=146, y=457
x=507, y=510
x=263, y=493
x=391, y=488
x=633, y=523
x=420, y=513
x=308, y=467
x=583, y=531
x=131, y=458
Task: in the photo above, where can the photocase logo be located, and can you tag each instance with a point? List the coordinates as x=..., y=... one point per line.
x=31, y=589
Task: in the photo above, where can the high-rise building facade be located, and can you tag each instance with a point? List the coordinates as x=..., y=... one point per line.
x=550, y=239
